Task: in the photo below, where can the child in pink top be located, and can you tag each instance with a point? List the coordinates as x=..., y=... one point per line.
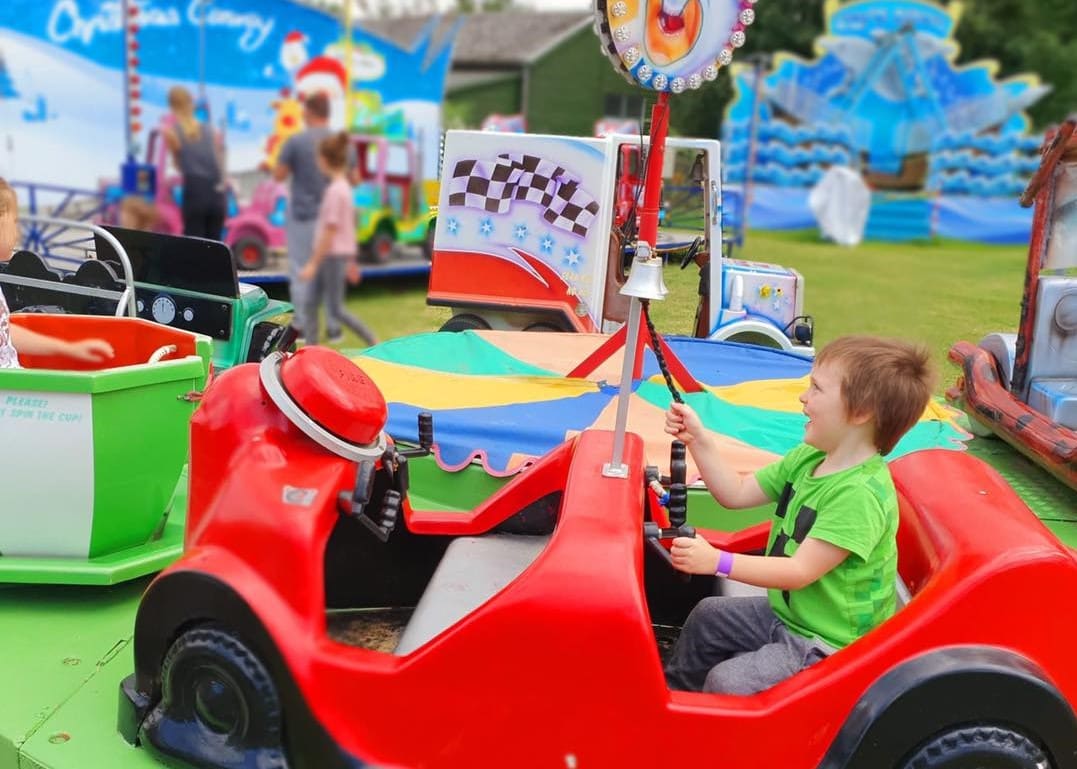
x=335, y=248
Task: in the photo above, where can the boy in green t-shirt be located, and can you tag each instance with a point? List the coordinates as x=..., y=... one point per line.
x=831, y=559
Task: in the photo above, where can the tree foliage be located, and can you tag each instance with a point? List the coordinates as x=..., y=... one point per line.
x=1038, y=37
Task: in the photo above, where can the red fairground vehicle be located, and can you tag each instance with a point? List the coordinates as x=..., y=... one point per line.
x=318, y=620
x=1023, y=387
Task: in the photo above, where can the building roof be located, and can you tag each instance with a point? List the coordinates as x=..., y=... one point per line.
x=505, y=39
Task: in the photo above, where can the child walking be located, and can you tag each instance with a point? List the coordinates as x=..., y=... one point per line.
x=830, y=567
x=333, y=260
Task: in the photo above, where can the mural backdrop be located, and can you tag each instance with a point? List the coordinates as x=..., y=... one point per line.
x=887, y=96
x=62, y=110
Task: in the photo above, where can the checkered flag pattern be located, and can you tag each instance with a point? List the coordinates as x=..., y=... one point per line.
x=527, y=178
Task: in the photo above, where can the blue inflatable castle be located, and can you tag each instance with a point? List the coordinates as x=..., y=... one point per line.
x=945, y=147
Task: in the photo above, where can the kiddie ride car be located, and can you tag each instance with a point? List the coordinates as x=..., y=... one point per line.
x=93, y=452
x=1023, y=387
x=184, y=283
x=548, y=222
x=390, y=198
x=318, y=620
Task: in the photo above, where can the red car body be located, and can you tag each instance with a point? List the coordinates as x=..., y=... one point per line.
x=560, y=667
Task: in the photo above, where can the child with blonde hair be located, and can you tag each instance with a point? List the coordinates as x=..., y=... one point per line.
x=199, y=156
x=13, y=337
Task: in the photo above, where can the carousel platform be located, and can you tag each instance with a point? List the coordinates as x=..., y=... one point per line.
x=65, y=649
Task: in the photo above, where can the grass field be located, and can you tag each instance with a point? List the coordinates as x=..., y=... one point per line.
x=937, y=292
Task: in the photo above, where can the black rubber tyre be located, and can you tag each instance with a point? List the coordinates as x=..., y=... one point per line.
x=381, y=246
x=545, y=326
x=978, y=747
x=428, y=241
x=250, y=253
x=465, y=323
x=217, y=702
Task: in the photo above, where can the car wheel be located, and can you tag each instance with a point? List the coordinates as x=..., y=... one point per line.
x=465, y=323
x=380, y=248
x=979, y=747
x=545, y=326
x=428, y=241
x=217, y=700
x=250, y=253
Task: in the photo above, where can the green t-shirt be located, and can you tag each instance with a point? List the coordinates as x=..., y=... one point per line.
x=855, y=509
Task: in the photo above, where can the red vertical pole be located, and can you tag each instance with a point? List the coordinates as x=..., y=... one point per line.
x=652, y=187
x=652, y=201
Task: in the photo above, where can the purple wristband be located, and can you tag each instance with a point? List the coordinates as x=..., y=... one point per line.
x=725, y=564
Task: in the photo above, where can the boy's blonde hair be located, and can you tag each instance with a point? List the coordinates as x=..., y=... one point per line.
x=889, y=379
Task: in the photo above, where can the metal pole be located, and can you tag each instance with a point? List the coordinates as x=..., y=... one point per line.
x=348, y=107
x=127, y=135
x=616, y=467
x=760, y=61
x=648, y=235
x=652, y=190
x=202, y=52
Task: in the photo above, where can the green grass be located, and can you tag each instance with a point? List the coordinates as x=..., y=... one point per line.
x=937, y=292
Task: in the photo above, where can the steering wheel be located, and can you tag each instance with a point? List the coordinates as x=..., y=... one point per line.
x=690, y=254
x=162, y=352
x=1049, y=160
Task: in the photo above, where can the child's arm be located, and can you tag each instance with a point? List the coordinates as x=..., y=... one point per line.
x=732, y=489
x=86, y=350
x=813, y=559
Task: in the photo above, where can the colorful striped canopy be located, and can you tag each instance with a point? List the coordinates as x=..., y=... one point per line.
x=504, y=398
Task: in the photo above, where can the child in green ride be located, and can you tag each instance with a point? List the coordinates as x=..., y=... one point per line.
x=830, y=566
x=14, y=338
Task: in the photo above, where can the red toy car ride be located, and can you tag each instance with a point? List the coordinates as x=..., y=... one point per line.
x=317, y=620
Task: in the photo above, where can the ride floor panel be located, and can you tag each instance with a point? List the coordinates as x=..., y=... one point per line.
x=64, y=650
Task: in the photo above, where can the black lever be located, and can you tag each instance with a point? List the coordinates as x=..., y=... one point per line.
x=386, y=522
x=678, y=487
x=426, y=430
x=676, y=499
x=426, y=437
x=355, y=503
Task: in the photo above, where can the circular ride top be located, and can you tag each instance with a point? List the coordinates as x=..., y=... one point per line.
x=672, y=45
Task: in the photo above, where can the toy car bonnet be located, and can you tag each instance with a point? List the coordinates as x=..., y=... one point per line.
x=330, y=399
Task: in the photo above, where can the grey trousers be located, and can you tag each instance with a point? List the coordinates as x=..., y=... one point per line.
x=737, y=645
x=300, y=236
x=331, y=284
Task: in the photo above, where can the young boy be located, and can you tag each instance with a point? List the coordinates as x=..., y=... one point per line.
x=831, y=559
